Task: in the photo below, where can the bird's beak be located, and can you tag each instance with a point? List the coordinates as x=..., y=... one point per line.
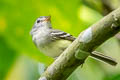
x=48, y=18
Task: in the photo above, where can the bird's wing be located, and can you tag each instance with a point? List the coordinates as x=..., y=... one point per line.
x=57, y=34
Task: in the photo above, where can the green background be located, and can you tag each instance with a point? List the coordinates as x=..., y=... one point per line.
x=19, y=57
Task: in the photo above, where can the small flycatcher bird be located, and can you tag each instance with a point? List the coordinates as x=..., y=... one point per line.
x=53, y=42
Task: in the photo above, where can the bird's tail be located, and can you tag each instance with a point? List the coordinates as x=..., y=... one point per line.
x=103, y=58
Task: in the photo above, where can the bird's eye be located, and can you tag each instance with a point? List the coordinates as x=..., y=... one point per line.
x=38, y=21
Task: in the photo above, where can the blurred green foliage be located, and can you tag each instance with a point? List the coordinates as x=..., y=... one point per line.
x=7, y=56
x=16, y=20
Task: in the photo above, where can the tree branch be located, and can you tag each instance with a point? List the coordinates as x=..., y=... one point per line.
x=87, y=41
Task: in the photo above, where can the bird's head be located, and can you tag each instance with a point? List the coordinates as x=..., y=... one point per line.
x=42, y=22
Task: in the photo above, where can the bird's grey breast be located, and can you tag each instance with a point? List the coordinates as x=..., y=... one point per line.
x=41, y=37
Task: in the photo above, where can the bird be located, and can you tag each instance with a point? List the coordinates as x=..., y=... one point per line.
x=52, y=42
